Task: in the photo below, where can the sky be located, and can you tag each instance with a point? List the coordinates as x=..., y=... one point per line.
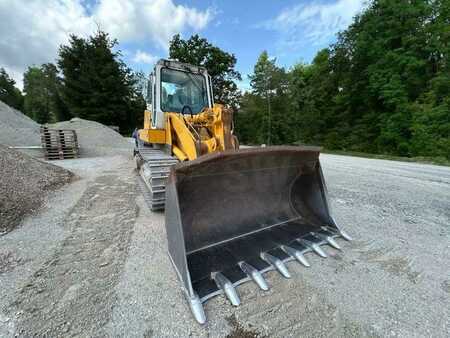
x=291, y=30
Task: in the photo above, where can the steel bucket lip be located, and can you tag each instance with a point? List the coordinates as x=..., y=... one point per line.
x=308, y=153
x=287, y=150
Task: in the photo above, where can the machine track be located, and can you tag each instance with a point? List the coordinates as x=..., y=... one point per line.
x=154, y=168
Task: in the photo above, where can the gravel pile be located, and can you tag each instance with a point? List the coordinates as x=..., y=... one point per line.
x=17, y=129
x=24, y=183
x=95, y=139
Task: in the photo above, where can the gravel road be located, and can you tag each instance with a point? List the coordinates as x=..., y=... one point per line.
x=93, y=262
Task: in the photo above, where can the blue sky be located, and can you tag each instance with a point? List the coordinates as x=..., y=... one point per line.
x=290, y=30
x=246, y=28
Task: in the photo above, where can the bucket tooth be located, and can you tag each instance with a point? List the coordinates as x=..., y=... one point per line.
x=345, y=235
x=295, y=254
x=333, y=243
x=313, y=246
x=330, y=240
x=197, y=309
x=339, y=232
x=277, y=263
x=255, y=275
x=227, y=287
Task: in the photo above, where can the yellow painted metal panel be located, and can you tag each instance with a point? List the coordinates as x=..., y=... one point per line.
x=179, y=153
x=147, y=119
x=168, y=130
x=153, y=135
x=185, y=139
x=143, y=135
x=157, y=135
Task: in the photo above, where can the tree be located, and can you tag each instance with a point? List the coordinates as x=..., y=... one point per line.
x=381, y=88
x=96, y=83
x=9, y=94
x=266, y=109
x=140, y=86
x=383, y=63
x=312, y=92
x=37, y=96
x=60, y=111
x=431, y=114
x=220, y=65
x=42, y=88
x=250, y=121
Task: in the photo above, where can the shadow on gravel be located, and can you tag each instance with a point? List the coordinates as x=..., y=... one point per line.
x=238, y=331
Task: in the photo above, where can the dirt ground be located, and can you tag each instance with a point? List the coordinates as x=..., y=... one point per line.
x=93, y=263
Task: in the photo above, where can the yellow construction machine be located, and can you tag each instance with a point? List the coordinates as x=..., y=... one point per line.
x=231, y=214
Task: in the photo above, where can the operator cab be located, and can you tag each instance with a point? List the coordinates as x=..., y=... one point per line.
x=177, y=87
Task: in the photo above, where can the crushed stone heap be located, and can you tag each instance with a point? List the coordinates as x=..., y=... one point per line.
x=17, y=129
x=95, y=139
x=24, y=185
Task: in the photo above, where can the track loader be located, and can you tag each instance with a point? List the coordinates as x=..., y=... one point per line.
x=231, y=214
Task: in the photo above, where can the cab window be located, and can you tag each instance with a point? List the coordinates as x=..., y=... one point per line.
x=179, y=89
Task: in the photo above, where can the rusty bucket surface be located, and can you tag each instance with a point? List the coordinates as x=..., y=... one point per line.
x=232, y=216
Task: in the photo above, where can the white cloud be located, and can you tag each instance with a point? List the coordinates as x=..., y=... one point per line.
x=155, y=21
x=32, y=30
x=314, y=23
x=143, y=57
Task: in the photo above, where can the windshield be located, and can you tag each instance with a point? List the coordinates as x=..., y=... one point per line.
x=179, y=89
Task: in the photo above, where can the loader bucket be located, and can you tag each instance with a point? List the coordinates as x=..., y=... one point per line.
x=232, y=216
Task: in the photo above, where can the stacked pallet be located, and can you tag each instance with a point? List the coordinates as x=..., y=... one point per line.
x=59, y=144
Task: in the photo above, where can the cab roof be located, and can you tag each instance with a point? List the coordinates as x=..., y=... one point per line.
x=181, y=66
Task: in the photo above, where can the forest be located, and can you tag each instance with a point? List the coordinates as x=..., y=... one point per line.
x=383, y=87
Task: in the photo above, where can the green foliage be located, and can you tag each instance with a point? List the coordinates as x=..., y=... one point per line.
x=37, y=96
x=383, y=87
x=60, y=111
x=9, y=94
x=42, y=88
x=97, y=85
x=265, y=107
x=220, y=65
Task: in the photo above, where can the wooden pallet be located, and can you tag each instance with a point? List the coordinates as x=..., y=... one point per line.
x=59, y=144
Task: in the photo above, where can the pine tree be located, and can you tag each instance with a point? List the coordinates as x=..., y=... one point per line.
x=96, y=83
x=266, y=108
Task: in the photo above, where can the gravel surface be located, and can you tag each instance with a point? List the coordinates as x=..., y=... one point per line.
x=95, y=139
x=24, y=184
x=106, y=272
x=17, y=129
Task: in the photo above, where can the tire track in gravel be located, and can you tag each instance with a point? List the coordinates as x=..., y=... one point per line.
x=72, y=294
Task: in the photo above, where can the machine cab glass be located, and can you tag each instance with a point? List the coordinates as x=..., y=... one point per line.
x=180, y=89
